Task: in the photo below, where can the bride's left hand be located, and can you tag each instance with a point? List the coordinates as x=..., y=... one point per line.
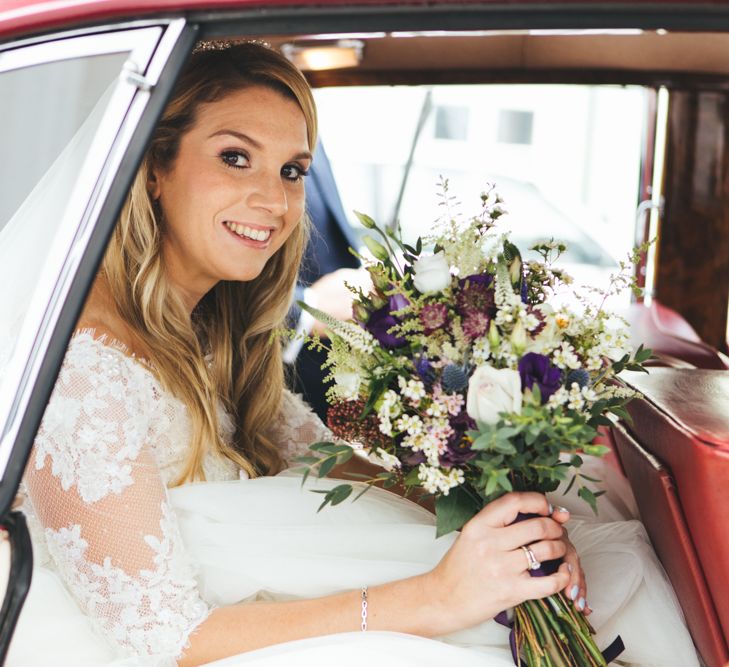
x=577, y=588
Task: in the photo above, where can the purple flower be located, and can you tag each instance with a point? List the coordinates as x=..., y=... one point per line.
x=475, y=325
x=379, y=325
x=382, y=320
x=458, y=451
x=398, y=302
x=425, y=370
x=475, y=295
x=536, y=369
x=524, y=290
x=433, y=317
x=414, y=459
x=483, y=279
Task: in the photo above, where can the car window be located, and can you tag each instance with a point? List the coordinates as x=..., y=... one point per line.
x=565, y=159
x=63, y=104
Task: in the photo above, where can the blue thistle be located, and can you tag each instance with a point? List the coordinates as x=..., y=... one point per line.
x=453, y=379
x=580, y=376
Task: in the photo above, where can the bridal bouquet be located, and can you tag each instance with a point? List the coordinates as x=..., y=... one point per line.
x=462, y=375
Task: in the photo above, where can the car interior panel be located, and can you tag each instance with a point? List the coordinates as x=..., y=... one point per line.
x=676, y=456
x=673, y=340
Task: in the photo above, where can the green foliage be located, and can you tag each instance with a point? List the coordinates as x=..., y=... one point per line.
x=331, y=454
x=454, y=510
x=334, y=496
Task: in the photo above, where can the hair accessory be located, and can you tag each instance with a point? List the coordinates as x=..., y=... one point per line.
x=532, y=562
x=225, y=44
x=364, y=609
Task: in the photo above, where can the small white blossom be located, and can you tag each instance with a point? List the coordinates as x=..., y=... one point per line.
x=436, y=409
x=390, y=404
x=576, y=399
x=385, y=426
x=615, y=391
x=594, y=360
x=388, y=461
x=446, y=403
x=413, y=390
x=435, y=480
x=614, y=343
x=481, y=350
x=411, y=424
x=531, y=321
x=559, y=397
x=565, y=357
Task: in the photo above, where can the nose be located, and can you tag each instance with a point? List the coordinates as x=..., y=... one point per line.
x=268, y=193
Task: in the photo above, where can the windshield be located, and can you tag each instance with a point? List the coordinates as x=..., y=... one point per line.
x=565, y=159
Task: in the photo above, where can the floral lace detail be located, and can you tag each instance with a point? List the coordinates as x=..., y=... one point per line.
x=111, y=441
x=297, y=427
x=97, y=500
x=89, y=447
x=151, y=614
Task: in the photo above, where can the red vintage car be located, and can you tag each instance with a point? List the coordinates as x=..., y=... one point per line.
x=620, y=109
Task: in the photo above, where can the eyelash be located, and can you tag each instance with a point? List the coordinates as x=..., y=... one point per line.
x=226, y=156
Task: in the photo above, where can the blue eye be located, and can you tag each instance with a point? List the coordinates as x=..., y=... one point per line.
x=235, y=159
x=293, y=172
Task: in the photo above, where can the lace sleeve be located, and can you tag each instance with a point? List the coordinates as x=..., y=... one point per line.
x=296, y=427
x=95, y=487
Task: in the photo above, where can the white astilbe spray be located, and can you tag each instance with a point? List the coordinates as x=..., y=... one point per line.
x=357, y=338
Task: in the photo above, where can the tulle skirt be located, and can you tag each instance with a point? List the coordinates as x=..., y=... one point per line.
x=263, y=539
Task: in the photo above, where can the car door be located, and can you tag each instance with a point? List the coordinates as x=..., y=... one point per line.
x=76, y=110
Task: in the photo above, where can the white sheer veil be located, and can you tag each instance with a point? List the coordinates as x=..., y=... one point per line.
x=29, y=237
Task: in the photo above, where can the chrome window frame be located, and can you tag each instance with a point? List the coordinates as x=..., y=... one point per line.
x=149, y=45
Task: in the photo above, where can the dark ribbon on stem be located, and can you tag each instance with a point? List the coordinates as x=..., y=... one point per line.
x=546, y=568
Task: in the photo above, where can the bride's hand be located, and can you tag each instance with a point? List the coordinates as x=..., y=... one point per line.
x=485, y=571
x=576, y=589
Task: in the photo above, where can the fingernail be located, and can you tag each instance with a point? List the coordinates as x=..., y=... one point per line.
x=551, y=508
x=563, y=509
x=581, y=604
x=573, y=591
x=570, y=568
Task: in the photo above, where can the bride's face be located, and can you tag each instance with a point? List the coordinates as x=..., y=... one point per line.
x=235, y=192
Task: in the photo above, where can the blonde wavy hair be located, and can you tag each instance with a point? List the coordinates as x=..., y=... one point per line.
x=235, y=321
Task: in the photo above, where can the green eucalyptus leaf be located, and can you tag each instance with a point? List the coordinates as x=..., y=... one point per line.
x=324, y=447
x=589, y=497
x=326, y=467
x=307, y=459
x=340, y=493
x=454, y=510
x=570, y=485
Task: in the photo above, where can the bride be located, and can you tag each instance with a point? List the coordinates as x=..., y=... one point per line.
x=166, y=528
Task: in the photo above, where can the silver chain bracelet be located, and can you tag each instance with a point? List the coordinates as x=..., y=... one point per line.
x=364, y=609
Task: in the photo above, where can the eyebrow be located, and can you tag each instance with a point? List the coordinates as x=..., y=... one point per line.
x=304, y=155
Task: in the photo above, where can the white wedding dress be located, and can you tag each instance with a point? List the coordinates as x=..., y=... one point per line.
x=125, y=568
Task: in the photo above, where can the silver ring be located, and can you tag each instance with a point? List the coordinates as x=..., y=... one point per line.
x=532, y=562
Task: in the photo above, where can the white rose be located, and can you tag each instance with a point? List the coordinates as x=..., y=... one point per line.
x=348, y=384
x=432, y=273
x=491, y=391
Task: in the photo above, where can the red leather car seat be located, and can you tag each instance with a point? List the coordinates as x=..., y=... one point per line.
x=670, y=337
x=676, y=456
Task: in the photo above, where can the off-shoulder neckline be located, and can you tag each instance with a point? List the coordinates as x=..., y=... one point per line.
x=114, y=344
